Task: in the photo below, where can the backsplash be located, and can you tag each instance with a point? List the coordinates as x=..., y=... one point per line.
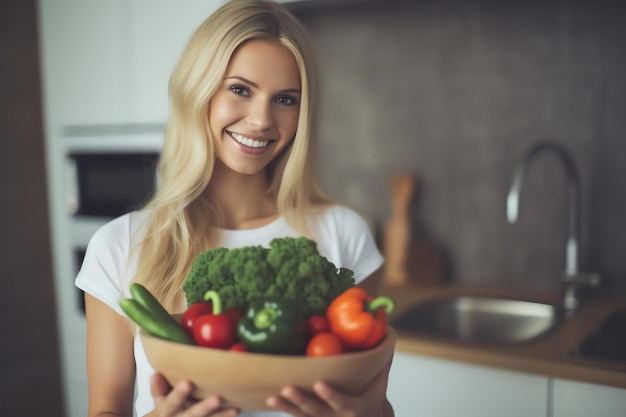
x=455, y=92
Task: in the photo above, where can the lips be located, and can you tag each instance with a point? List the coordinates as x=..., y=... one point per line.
x=248, y=141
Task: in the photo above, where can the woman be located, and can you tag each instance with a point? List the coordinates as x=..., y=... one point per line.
x=236, y=170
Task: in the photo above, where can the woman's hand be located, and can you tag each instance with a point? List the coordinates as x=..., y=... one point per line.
x=176, y=402
x=328, y=402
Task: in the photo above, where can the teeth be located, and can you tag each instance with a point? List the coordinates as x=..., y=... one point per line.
x=251, y=143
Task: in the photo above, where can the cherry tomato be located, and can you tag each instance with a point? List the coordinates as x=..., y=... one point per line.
x=324, y=344
x=193, y=312
x=235, y=314
x=238, y=347
x=214, y=331
x=317, y=324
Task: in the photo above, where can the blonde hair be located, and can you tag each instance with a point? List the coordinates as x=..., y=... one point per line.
x=179, y=210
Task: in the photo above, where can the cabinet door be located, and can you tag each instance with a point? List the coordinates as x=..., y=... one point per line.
x=579, y=399
x=85, y=61
x=160, y=30
x=430, y=387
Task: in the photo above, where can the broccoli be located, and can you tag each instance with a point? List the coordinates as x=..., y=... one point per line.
x=291, y=268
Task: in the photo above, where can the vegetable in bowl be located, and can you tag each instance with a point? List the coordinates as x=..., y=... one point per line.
x=291, y=268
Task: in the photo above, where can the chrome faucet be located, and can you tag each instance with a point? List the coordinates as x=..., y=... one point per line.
x=577, y=283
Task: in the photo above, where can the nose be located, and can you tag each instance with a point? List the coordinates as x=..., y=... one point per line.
x=260, y=114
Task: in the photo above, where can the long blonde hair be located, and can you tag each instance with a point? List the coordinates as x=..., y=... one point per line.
x=178, y=228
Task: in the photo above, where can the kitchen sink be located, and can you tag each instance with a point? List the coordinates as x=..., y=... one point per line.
x=481, y=320
x=607, y=342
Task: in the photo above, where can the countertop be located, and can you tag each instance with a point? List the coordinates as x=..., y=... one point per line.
x=550, y=356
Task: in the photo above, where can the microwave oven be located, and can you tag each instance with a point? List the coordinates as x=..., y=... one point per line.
x=110, y=170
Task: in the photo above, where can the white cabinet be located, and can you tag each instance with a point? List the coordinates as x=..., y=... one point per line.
x=86, y=70
x=431, y=387
x=159, y=31
x=109, y=61
x=579, y=399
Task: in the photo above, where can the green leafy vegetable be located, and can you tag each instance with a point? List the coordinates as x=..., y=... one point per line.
x=291, y=268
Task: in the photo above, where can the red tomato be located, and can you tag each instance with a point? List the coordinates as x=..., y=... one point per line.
x=324, y=344
x=238, y=347
x=317, y=324
x=193, y=312
x=235, y=314
x=214, y=331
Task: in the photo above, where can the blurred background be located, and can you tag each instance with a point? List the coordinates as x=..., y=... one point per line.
x=451, y=92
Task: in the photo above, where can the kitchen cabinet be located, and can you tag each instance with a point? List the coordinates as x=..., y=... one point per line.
x=109, y=61
x=426, y=386
x=85, y=61
x=580, y=399
x=159, y=30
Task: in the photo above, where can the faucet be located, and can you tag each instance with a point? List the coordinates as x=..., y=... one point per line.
x=576, y=283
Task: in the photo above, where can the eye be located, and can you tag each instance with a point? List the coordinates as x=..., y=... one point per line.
x=239, y=90
x=285, y=100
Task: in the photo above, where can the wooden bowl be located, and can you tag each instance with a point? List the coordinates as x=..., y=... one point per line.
x=246, y=379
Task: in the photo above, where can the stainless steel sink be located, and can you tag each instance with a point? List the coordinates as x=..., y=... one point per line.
x=482, y=320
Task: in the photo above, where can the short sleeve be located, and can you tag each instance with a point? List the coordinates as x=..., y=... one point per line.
x=346, y=239
x=359, y=248
x=103, y=271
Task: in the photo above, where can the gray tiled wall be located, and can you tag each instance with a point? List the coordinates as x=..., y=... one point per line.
x=455, y=92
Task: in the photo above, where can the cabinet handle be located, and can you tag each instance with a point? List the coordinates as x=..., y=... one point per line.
x=72, y=198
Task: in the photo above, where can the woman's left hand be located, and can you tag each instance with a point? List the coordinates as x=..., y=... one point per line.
x=329, y=402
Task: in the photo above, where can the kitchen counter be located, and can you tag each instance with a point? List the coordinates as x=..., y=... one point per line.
x=550, y=356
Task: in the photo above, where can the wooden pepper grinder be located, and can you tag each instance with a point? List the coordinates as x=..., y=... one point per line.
x=397, y=232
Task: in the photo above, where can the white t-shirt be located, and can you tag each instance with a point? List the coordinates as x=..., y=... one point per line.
x=341, y=234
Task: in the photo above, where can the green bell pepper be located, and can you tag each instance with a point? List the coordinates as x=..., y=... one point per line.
x=273, y=325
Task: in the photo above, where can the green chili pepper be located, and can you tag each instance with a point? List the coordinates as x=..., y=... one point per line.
x=273, y=325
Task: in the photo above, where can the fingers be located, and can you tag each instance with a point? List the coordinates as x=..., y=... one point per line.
x=279, y=403
x=371, y=398
x=329, y=401
x=333, y=398
x=297, y=403
x=210, y=406
x=159, y=387
x=326, y=401
x=169, y=401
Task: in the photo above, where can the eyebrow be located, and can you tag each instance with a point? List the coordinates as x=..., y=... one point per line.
x=255, y=85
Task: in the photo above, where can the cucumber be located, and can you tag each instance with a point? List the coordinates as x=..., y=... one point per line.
x=151, y=324
x=150, y=303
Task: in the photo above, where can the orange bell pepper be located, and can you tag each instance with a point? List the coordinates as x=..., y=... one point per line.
x=359, y=319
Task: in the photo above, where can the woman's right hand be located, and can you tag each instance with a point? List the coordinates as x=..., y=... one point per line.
x=176, y=402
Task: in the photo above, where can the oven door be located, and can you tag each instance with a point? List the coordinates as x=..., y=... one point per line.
x=109, y=184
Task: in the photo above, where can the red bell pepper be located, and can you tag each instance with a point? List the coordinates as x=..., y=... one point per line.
x=215, y=330
x=359, y=319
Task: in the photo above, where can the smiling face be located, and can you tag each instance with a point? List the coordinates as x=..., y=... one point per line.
x=254, y=113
